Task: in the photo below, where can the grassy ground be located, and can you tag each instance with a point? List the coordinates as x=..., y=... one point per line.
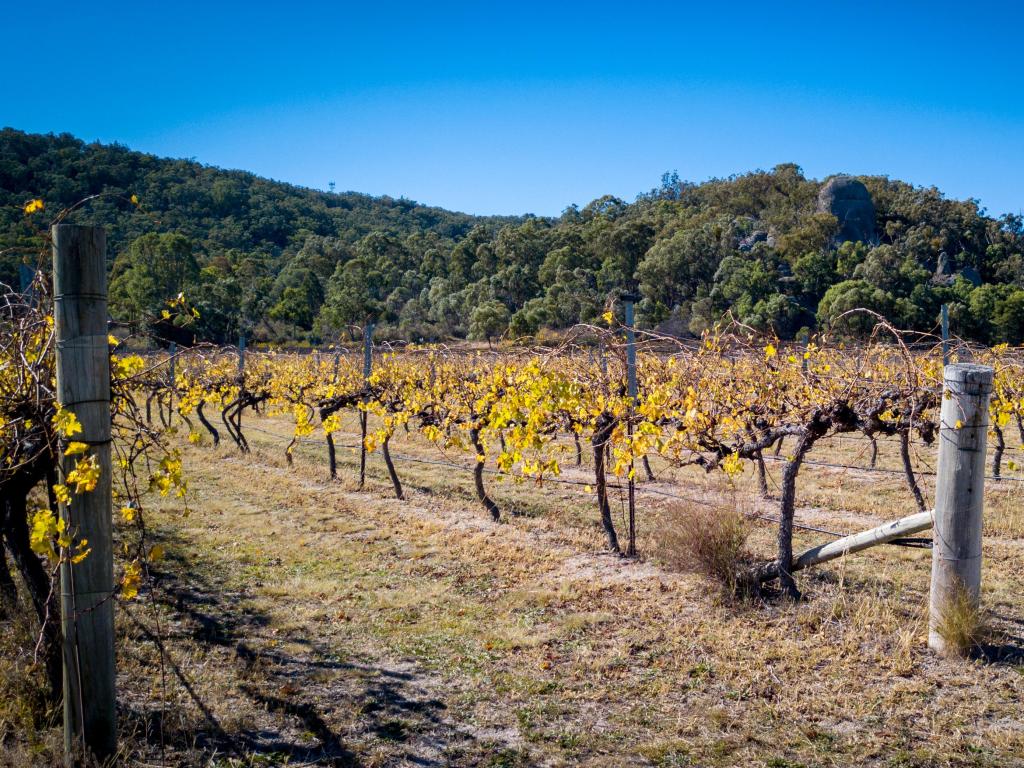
x=305, y=622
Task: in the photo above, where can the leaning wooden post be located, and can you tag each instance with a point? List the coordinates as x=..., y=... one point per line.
x=959, y=491
x=87, y=589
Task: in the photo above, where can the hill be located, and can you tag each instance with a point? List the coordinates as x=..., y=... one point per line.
x=781, y=252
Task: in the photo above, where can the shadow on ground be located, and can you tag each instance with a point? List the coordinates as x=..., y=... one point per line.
x=260, y=705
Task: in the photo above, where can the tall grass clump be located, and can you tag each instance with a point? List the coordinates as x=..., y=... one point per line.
x=709, y=540
x=961, y=624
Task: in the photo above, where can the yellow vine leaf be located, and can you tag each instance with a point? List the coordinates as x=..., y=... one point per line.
x=732, y=465
x=81, y=554
x=131, y=580
x=85, y=475
x=66, y=423
x=44, y=528
x=62, y=493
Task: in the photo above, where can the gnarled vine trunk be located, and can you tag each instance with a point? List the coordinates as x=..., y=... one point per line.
x=206, y=423
x=648, y=472
x=780, y=567
x=997, y=452
x=332, y=457
x=399, y=493
x=478, y=476
x=599, y=442
x=908, y=469
x=363, y=417
x=762, y=475
x=762, y=472
x=38, y=583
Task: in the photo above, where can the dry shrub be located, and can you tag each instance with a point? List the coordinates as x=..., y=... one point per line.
x=709, y=540
x=961, y=624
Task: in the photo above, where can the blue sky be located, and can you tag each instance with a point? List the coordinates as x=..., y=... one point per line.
x=519, y=108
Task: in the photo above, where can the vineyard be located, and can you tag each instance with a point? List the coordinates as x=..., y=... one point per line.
x=724, y=404
x=485, y=526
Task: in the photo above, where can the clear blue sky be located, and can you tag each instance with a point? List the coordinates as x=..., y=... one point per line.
x=494, y=108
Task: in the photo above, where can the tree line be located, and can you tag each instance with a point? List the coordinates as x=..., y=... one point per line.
x=284, y=263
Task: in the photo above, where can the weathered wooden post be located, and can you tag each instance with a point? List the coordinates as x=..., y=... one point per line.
x=363, y=416
x=25, y=276
x=241, y=388
x=172, y=351
x=368, y=351
x=87, y=589
x=959, y=491
x=945, y=334
x=632, y=390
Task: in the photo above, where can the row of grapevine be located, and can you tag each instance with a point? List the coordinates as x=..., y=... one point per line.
x=718, y=404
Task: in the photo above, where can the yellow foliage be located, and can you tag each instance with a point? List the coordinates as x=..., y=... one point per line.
x=732, y=465
x=85, y=475
x=131, y=580
x=66, y=423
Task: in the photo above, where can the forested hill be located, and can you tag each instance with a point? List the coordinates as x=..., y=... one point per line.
x=216, y=210
x=778, y=250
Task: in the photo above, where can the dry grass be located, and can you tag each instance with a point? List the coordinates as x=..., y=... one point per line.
x=962, y=624
x=308, y=623
x=709, y=540
x=28, y=725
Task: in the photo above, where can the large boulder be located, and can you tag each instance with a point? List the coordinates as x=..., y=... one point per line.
x=747, y=243
x=850, y=202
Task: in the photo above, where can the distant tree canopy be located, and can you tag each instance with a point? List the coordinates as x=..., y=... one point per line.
x=154, y=269
x=280, y=262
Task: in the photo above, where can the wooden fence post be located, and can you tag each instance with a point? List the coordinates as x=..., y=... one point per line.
x=363, y=416
x=87, y=589
x=959, y=491
x=945, y=334
x=173, y=351
x=631, y=388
